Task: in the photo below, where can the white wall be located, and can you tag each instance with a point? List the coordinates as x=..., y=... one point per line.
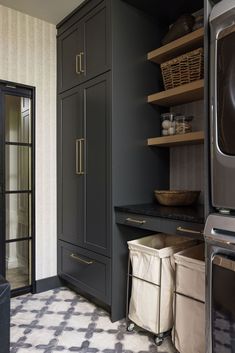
x=28, y=56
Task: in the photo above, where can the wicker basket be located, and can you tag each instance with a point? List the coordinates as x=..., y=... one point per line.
x=183, y=69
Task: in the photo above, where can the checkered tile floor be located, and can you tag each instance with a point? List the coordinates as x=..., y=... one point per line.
x=62, y=321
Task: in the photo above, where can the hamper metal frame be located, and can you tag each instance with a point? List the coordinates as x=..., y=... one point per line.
x=174, y=307
x=160, y=336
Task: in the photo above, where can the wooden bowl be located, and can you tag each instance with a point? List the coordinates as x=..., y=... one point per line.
x=176, y=197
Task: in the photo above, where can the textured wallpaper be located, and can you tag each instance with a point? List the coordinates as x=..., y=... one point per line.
x=28, y=56
x=187, y=162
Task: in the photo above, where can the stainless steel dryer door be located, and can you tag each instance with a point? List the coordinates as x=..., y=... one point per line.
x=223, y=111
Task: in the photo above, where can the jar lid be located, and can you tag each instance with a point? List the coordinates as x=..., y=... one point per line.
x=168, y=116
x=183, y=117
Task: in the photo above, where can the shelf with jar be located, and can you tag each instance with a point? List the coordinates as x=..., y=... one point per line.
x=182, y=67
x=176, y=129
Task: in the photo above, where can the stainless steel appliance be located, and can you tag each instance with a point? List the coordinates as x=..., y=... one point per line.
x=220, y=229
x=220, y=300
x=222, y=93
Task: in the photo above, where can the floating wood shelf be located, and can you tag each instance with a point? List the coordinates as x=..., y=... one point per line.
x=180, y=46
x=183, y=94
x=191, y=138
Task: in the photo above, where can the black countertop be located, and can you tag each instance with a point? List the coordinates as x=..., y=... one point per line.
x=193, y=214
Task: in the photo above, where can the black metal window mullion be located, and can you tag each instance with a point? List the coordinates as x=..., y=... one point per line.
x=18, y=192
x=20, y=144
x=16, y=240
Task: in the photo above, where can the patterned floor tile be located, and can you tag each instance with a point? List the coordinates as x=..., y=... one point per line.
x=48, y=320
x=37, y=337
x=23, y=317
x=16, y=333
x=62, y=321
x=72, y=338
x=79, y=321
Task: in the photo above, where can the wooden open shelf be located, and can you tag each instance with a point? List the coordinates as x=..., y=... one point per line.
x=191, y=138
x=183, y=94
x=180, y=46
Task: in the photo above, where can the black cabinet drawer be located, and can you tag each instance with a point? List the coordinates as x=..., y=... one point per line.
x=86, y=270
x=163, y=225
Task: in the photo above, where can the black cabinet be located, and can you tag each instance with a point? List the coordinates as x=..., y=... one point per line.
x=97, y=45
x=84, y=49
x=71, y=192
x=83, y=165
x=97, y=132
x=103, y=124
x=70, y=47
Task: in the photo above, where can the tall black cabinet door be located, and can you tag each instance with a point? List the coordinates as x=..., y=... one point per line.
x=97, y=117
x=70, y=52
x=70, y=161
x=96, y=28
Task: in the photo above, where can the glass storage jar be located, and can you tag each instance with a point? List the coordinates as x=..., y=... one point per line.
x=183, y=124
x=168, y=124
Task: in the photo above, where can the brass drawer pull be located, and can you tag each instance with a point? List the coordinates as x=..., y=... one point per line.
x=135, y=221
x=186, y=230
x=75, y=257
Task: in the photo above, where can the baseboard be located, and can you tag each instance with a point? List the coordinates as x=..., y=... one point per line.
x=49, y=283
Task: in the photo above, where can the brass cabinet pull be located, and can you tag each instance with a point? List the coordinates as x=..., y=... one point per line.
x=135, y=221
x=81, y=55
x=75, y=257
x=79, y=156
x=78, y=64
x=186, y=230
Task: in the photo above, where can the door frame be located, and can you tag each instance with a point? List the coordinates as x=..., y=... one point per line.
x=16, y=89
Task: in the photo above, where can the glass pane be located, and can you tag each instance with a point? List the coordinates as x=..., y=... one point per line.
x=18, y=119
x=225, y=93
x=18, y=168
x=18, y=216
x=18, y=264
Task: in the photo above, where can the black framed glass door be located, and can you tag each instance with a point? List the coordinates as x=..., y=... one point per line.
x=17, y=185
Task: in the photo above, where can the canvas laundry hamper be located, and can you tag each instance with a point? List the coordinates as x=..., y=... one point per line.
x=189, y=311
x=153, y=275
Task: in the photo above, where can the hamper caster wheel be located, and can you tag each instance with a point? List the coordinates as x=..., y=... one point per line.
x=130, y=327
x=158, y=340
